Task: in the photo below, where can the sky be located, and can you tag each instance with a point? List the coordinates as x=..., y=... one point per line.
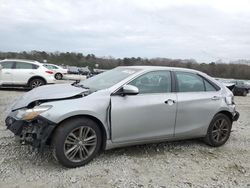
x=204, y=30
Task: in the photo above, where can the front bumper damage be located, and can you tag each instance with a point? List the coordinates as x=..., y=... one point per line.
x=35, y=132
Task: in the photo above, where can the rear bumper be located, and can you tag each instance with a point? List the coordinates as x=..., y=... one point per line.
x=236, y=116
x=35, y=132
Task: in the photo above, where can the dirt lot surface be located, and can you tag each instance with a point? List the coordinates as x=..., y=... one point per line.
x=172, y=164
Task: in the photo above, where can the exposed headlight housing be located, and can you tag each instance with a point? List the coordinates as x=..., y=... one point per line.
x=29, y=114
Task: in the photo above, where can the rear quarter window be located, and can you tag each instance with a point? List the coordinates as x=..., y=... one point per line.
x=35, y=66
x=209, y=87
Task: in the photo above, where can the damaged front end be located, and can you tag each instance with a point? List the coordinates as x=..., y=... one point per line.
x=33, y=132
x=30, y=127
x=25, y=120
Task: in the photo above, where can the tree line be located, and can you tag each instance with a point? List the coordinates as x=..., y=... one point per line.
x=235, y=70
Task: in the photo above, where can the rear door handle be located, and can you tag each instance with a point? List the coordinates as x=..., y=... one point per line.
x=215, y=98
x=170, y=102
x=7, y=73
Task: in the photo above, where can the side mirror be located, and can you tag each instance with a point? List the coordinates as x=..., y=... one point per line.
x=129, y=90
x=1, y=67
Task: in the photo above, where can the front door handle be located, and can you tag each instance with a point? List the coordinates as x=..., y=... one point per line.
x=170, y=102
x=7, y=73
x=215, y=98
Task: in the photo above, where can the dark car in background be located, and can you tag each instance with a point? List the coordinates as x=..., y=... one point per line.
x=73, y=70
x=238, y=87
x=241, y=88
x=88, y=72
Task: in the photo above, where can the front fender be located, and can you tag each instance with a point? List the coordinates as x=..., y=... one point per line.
x=92, y=105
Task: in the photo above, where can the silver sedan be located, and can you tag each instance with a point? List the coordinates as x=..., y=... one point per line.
x=121, y=107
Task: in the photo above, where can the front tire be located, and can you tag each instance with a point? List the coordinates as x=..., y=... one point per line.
x=218, y=131
x=76, y=142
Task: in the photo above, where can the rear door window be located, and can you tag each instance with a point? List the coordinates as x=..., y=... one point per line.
x=22, y=65
x=189, y=82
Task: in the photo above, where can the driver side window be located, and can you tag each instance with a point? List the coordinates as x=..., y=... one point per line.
x=153, y=82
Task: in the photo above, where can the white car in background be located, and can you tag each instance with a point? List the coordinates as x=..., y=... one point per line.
x=59, y=71
x=18, y=72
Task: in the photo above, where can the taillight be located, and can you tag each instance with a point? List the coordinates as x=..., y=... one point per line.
x=49, y=72
x=229, y=100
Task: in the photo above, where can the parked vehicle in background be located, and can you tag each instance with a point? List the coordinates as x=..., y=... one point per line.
x=98, y=71
x=73, y=70
x=121, y=107
x=238, y=87
x=59, y=71
x=241, y=88
x=86, y=71
x=226, y=82
x=17, y=72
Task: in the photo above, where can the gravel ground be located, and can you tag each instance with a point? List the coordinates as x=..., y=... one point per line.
x=171, y=164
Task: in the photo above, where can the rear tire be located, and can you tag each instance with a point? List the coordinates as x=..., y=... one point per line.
x=76, y=142
x=218, y=131
x=36, y=82
x=58, y=76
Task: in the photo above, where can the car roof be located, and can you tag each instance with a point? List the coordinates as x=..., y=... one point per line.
x=23, y=60
x=51, y=64
x=146, y=68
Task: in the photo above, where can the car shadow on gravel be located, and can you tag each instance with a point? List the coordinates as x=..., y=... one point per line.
x=14, y=89
x=159, y=148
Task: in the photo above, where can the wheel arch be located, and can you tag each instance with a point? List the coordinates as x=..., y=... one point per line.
x=95, y=119
x=227, y=113
x=58, y=73
x=36, y=77
x=208, y=140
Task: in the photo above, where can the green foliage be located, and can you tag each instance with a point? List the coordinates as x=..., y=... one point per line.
x=222, y=70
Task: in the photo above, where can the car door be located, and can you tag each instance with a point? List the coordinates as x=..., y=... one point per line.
x=147, y=115
x=6, y=73
x=22, y=72
x=198, y=101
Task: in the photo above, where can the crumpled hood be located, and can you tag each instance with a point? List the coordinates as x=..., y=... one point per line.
x=48, y=92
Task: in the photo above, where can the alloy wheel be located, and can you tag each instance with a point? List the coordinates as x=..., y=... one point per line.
x=36, y=83
x=220, y=130
x=80, y=144
x=58, y=76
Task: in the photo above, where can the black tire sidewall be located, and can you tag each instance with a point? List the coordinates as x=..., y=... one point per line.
x=36, y=79
x=209, y=138
x=61, y=134
x=60, y=76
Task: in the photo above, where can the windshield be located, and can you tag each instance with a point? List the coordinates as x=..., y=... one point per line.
x=108, y=78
